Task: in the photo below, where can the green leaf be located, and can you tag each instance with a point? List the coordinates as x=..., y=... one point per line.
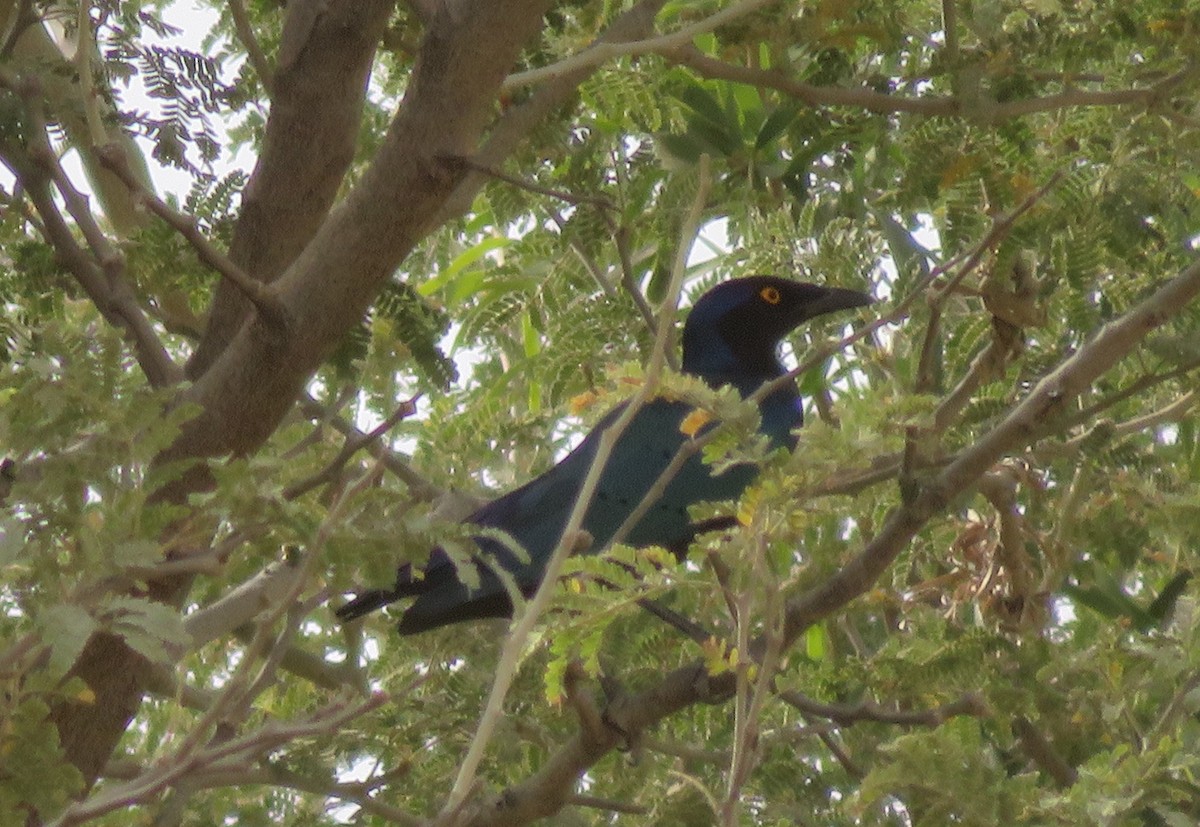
x=702, y=102
x=681, y=147
x=460, y=263
x=816, y=642
x=35, y=774
x=775, y=124
x=154, y=630
x=12, y=541
x=65, y=628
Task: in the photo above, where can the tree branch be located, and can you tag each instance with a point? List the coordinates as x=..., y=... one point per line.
x=1046, y=401
x=254, y=52
x=1043, y=754
x=112, y=157
x=354, y=444
x=846, y=715
x=260, y=742
x=246, y=377
x=862, y=98
x=575, y=199
x=317, y=92
x=515, y=124
x=605, y=50
x=545, y=792
x=101, y=273
x=881, y=103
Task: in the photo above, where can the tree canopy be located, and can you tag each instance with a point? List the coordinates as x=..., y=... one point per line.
x=963, y=599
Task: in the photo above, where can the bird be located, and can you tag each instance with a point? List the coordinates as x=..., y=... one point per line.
x=730, y=337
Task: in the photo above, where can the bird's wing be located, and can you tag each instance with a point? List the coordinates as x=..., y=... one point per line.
x=535, y=514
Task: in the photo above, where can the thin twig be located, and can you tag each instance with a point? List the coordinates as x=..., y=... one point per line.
x=881, y=103
x=161, y=776
x=620, y=236
x=840, y=754
x=254, y=51
x=352, y=446
x=1178, y=706
x=611, y=805
x=265, y=300
x=1172, y=412
x=687, y=752
x=922, y=385
x=1133, y=389
x=419, y=488
x=846, y=715
x=101, y=274
x=1042, y=752
x=562, y=195
x=753, y=690
x=601, y=52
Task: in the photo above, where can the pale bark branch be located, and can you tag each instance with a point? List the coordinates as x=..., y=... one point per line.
x=606, y=50
x=254, y=52
x=100, y=269
x=83, y=115
x=266, y=590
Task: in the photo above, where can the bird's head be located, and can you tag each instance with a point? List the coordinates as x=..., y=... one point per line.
x=735, y=328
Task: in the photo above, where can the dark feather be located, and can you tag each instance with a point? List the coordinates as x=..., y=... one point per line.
x=730, y=338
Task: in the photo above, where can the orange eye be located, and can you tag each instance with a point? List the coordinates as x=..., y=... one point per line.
x=770, y=295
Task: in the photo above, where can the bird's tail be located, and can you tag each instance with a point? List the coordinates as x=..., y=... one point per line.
x=366, y=603
x=407, y=585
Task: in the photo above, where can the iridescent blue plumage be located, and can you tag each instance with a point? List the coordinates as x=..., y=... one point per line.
x=730, y=338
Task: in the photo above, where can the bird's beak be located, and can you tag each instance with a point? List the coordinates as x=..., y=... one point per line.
x=836, y=298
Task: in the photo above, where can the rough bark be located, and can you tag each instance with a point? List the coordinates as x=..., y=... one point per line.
x=316, y=107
